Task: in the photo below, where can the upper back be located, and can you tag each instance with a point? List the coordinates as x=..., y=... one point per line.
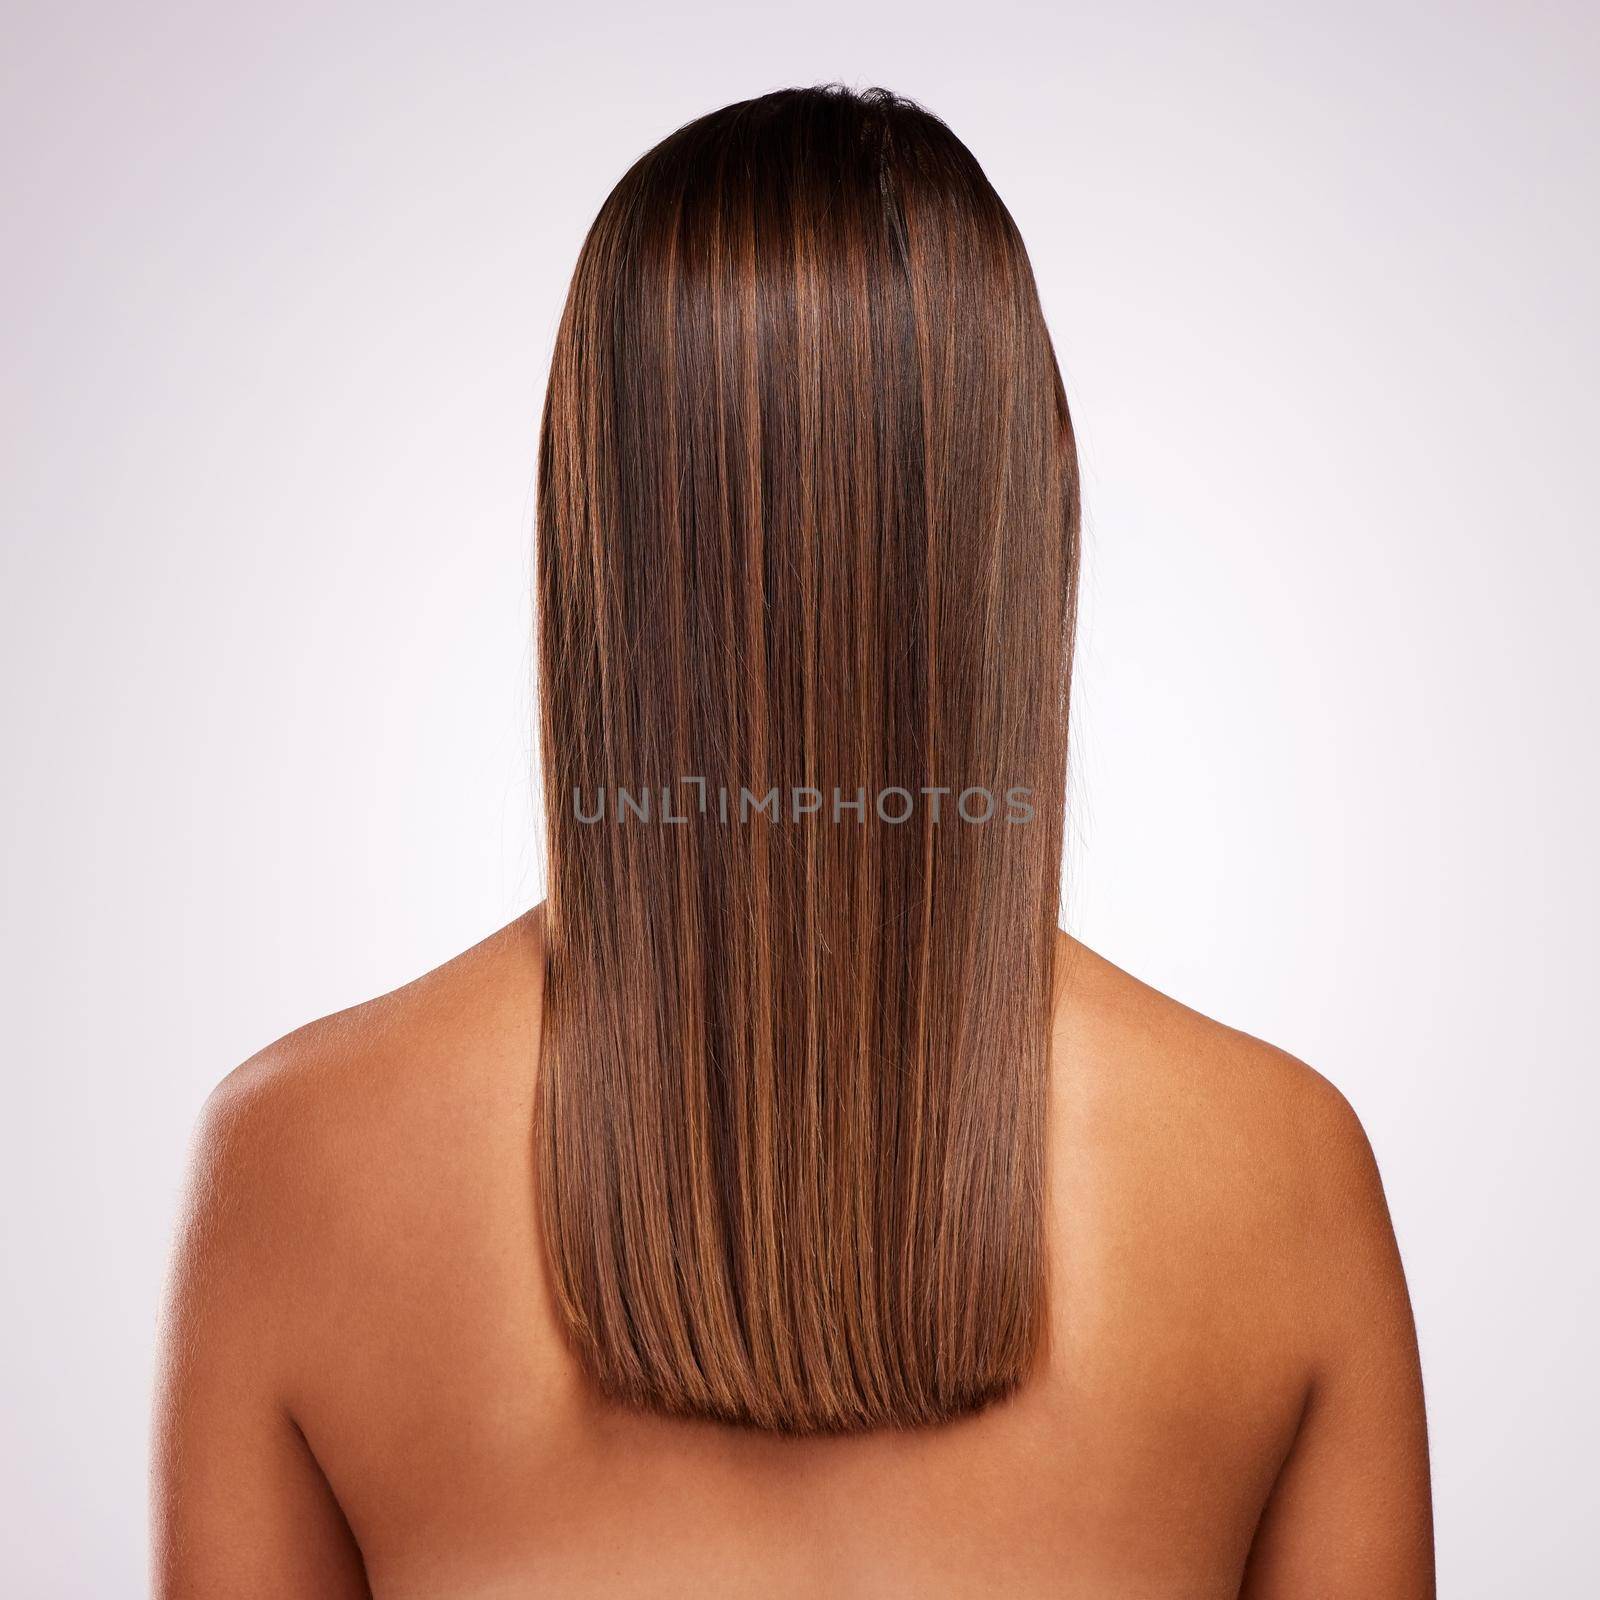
x=366, y=1243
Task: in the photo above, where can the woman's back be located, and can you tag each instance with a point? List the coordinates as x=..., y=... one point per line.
x=786, y=1208
x=370, y=1389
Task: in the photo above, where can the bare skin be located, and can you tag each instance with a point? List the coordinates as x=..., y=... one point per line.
x=365, y=1390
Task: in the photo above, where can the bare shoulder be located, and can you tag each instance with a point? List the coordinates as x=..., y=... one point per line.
x=1128, y=1052
x=458, y=1041
x=1228, y=1269
x=326, y=1164
x=1242, y=1177
x=357, y=1199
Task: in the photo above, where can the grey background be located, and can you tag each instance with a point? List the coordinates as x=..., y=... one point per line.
x=279, y=289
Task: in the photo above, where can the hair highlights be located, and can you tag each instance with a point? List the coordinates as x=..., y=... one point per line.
x=807, y=520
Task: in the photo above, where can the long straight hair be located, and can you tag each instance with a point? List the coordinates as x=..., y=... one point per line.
x=807, y=555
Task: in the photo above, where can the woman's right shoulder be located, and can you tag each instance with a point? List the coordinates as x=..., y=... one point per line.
x=1244, y=1171
x=1224, y=1227
x=1127, y=1049
x=1229, y=1278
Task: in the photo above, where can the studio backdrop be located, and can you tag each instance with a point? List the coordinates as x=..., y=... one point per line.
x=280, y=287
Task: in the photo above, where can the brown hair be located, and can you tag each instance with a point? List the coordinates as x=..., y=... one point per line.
x=807, y=522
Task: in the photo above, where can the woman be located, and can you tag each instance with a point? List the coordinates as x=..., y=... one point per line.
x=786, y=1207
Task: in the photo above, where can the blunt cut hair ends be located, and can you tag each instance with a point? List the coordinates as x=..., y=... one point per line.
x=807, y=521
